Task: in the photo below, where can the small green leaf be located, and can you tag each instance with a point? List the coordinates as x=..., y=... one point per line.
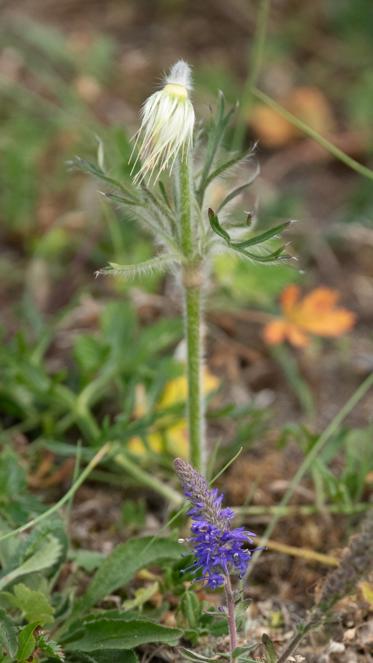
x=217, y=228
x=142, y=595
x=8, y=634
x=118, y=634
x=89, y=560
x=45, y=557
x=191, y=609
x=34, y=605
x=26, y=642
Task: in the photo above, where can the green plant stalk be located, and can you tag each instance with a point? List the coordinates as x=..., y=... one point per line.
x=323, y=142
x=256, y=53
x=148, y=480
x=307, y=462
x=192, y=286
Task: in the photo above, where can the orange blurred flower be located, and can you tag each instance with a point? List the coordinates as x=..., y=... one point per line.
x=316, y=313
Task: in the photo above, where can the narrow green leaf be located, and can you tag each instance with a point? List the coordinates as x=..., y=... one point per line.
x=44, y=558
x=164, y=194
x=123, y=563
x=96, y=171
x=270, y=257
x=271, y=656
x=117, y=634
x=116, y=198
x=26, y=642
x=216, y=135
x=190, y=607
x=262, y=237
x=217, y=228
x=225, y=165
x=157, y=264
x=8, y=634
x=236, y=192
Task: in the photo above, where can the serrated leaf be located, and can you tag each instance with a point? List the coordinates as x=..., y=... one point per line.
x=123, y=563
x=117, y=634
x=34, y=605
x=8, y=634
x=45, y=557
x=26, y=642
x=50, y=647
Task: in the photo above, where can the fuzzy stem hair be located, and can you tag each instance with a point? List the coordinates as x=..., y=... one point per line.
x=192, y=287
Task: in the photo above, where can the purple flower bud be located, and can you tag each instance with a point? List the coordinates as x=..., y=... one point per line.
x=219, y=548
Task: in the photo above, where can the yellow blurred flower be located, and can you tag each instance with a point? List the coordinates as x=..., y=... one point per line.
x=168, y=435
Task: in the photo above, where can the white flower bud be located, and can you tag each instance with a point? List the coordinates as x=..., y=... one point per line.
x=167, y=122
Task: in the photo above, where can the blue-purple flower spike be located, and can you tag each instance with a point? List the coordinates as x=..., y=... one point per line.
x=219, y=548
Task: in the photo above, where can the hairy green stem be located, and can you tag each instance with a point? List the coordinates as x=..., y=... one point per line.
x=192, y=286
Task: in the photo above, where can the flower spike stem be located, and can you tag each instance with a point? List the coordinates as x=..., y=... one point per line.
x=231, y=616
x=192, y=285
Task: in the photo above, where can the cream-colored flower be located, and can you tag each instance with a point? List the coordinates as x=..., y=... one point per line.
x=167, y=122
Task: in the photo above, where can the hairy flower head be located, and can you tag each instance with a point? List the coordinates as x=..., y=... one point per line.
x=218, y=547
x=167, y=122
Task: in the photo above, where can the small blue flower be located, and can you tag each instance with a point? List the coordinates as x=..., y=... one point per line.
x=218, y=548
